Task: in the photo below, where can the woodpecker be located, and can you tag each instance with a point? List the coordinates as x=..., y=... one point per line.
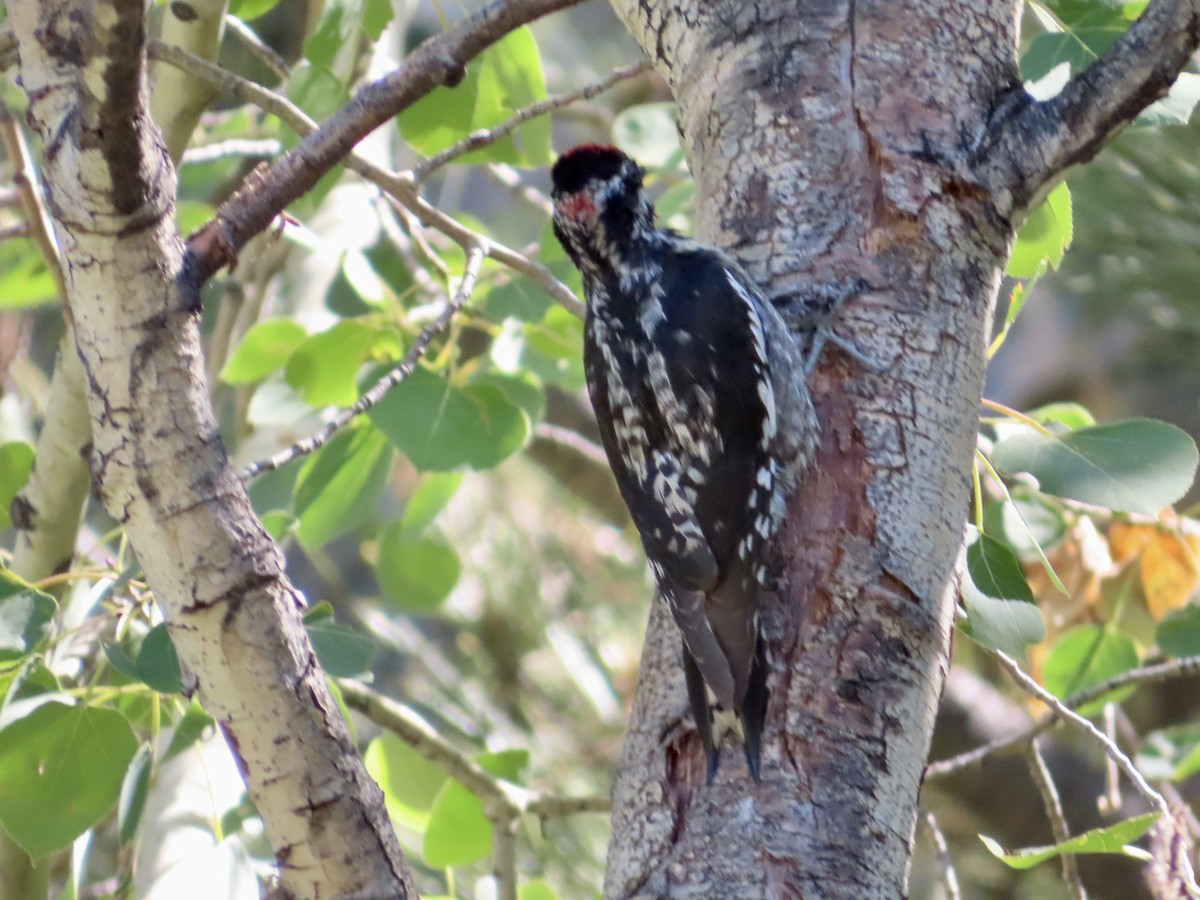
x=700, y=396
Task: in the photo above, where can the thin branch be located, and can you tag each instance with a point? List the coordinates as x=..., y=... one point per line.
x=260, y=51
x=485, y=136
x=225, y=149
x=1058, y=820
x=440, y=60
x=504, y=858
x=380, y=389
x=567, y=438
x=502, y=799
x=1029, y=145
x=15, y=230
x=394, y=184
x=942, y=854
x=1031, y=687
x=25, y=182
x=1179, y=668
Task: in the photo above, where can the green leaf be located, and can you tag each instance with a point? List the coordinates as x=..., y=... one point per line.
x=157, y=663
x=522, y=390
x=1177, y=107
x=324, y=368
x=429, y=499
x=61, y=769
x=521, y=298
x=458, y=833
x=1027, y=524
x=1112, y=839
x=410, y=782
x=246, y=10
x=1178, y=632
x=16, y=462
x=502, y=80
x=263, y=349
x=25, y=282
x=1007, y=625
x=120, y=660
x=190, y=728
x=1073, y=416
x=536, y=890
x=25, y=614
x=134, y=788
x=649, y=134
x=995, y=571
x=553, y=349
x=417, y=574
x=342, y=651
x=339, y=487
x=342, y=23
x=440, y=426
x=1084, y=657
x=1045, y=236
x=316, y=90
x=1138, y=465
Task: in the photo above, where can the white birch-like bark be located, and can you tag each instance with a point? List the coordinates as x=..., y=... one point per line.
x=833, y=140
x=160, y=467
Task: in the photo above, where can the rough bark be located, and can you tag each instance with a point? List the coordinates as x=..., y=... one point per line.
x=833, y=140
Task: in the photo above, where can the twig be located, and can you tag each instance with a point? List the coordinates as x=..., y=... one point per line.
x=1189, y=665
x=437, y=61
x=258, y=49
x=1110, y=801
x=485, y=136
x=508, y=177
x=1151, y=796
x=573, y=439
x=224, y=149
x=394, y=184
x=25, y=181
x=380, y=389
x=9, y=197
x=942, y=854
x=1058, y=820
x=15, y=230
x=503, y=802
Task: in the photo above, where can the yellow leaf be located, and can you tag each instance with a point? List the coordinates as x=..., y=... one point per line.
x=1170, y=572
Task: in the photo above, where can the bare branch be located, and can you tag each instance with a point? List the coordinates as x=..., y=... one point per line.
x=15, y=230
x=438, y=61
x=1167, y=671
x=30, y=194
x=380, y=389
x=260, y=51
x=1030, y=144
x=225, y=149
x=502, y=799
x=942, y=854
x=1058, y=820
x=1031, y=687
x=485, y=136
x=396, y=185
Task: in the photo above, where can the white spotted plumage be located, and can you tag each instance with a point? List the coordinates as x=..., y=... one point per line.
x=699, y=395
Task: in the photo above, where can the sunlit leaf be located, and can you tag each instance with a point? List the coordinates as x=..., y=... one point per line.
x=263, y=349
x=1137, y=465
x=1112, y=839
x=25, y=615
x=1086, y=656
x=1045, y=236
x=61, y=769
x=417, y=574
x=441, y=426
x=339, y=487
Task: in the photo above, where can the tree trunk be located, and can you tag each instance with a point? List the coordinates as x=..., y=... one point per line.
x=829, y=141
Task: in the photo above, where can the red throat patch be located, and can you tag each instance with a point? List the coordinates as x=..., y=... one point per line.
x=578, y=207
